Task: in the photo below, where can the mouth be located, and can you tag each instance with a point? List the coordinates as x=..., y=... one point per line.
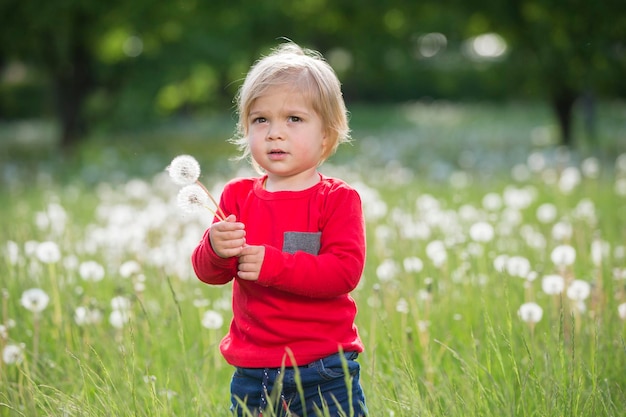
x=277, y=152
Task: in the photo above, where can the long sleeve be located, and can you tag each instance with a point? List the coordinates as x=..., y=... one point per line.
x=209, y=267
x=337, y=269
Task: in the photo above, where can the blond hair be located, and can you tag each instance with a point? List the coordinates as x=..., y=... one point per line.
x=310, y=74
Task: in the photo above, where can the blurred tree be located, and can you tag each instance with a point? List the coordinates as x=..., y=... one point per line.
x=126, y=63
x=560, y=50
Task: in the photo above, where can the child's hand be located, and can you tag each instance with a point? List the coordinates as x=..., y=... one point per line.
x=227, y=237
x=250, y=262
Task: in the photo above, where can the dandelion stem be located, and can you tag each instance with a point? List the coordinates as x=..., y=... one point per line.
x=218, y=213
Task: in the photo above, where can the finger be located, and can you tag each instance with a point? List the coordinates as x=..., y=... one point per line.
x=248, y=276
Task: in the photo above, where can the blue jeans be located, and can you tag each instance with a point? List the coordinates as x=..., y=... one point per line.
x=322, y=384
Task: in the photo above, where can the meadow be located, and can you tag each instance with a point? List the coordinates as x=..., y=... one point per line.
x=495, y=282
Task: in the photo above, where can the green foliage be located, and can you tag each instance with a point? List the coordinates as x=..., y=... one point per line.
x=124, y=64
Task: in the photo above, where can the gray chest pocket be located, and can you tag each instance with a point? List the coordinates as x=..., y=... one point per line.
x=308, y=242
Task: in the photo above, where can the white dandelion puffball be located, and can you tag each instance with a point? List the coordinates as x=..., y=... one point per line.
x=84, y=316
x=35, y=300
x=212, y=320
x=12, y=354
x=184, y=170
x=518, y=266
x=387, y=270
x=481, y=232
x=621, y=310
x=578, y=290
x=546, y=213
x=530, y=312
x=48, y=252
x=192, y=198
x=553, y=284
x=413, y=264
x=563, y=255
x=91, y=271
x=120, y=303
x=118, y=318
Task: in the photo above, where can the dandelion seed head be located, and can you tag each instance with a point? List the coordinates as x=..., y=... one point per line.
x=212, y=319
x=118, y=318
x=481, y=232
x=13, y=252
x=563, y=255
x=184, y=170
x=518, y=266
x=48, y=252
x=192, y=198
x=492, y=202
x=530, y=312
x=570, y=178
x=553, y=284
x=546, y=213
x=562, y=231
x=130, y=268
x=499, y=263
x=86, y=316
x=621, y=310
x=13, y=354
x=591, y=167
x=91, y=271
x=413, y=264
x=120, y=303
x=578, y=290
x=387, y=270
x=35, y=300
x=402, y=306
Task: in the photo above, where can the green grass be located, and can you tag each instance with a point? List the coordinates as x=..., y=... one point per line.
x=445, y=340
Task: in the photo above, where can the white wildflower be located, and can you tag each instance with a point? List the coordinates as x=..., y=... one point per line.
x=578, y=290
x=35, y=300
x=481, y=232
x=413, y=264
x=562, y=231
x=402, y=306
x=546, y=213
x=518, y=266
x=91, y=271
x=387, y=270
x=85, y=315
x=118, y=318
x=530, y=312
x=13, y=252
x=129, y=268
x=13, y=354
x=184, y=170
x=621, y=310
x=563, y=255
x=120, y=303
x=192, y=198
x=553, y=284
x=212, y=320
x=48, y=252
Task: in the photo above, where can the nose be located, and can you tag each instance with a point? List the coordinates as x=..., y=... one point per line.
x=275, y=132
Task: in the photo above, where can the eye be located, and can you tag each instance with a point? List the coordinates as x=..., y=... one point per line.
x=257, y=120
x=294, y=119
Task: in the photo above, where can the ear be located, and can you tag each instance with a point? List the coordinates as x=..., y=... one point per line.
x=326, y=143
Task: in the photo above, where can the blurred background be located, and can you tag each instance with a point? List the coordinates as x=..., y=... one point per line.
x=141, y=75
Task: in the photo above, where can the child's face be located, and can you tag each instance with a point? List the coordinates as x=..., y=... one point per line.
x=287, y=138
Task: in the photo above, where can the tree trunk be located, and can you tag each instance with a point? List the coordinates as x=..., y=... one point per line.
x=73, y=82
x=563, y=106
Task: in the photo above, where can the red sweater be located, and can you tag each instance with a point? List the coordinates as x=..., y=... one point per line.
x=301, y=300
